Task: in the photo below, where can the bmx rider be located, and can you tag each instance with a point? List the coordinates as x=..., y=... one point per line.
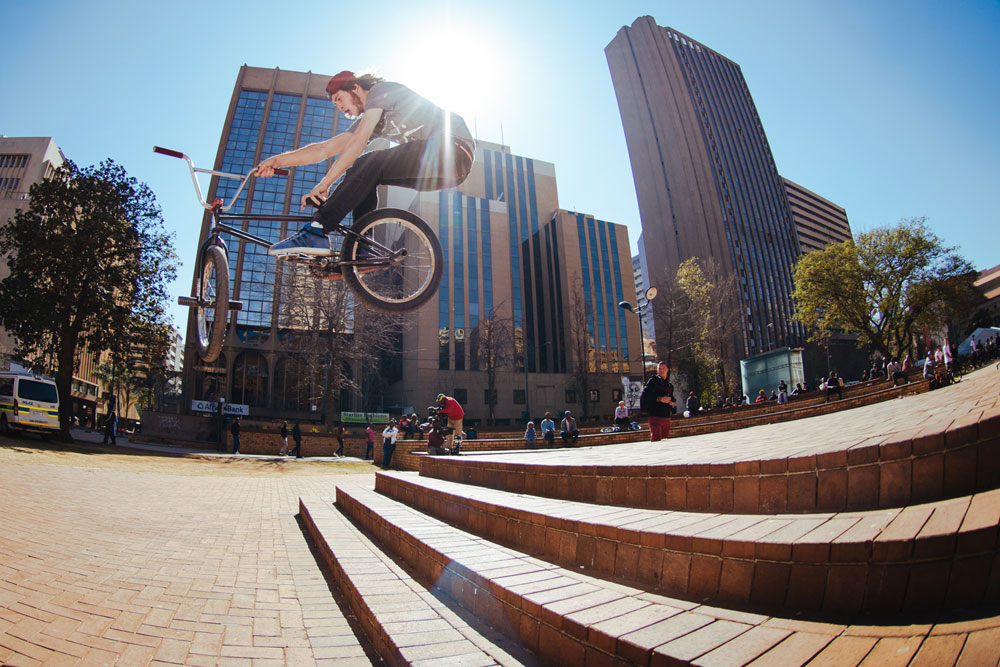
x=435, y=151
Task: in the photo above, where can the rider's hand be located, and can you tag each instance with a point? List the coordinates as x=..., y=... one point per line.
x=266, y=168
x=315, y=198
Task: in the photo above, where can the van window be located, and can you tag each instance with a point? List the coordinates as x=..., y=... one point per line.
x=6, y=386
x=43, y=392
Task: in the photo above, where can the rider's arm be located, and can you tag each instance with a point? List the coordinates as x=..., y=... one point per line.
x=355, y=145
x=310, y=154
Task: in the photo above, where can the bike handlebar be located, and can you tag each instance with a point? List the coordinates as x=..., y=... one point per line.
x=196, y=170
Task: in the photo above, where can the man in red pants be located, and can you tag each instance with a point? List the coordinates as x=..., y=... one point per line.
x=657, y=400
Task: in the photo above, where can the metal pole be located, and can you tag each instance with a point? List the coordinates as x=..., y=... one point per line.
x=642, y=346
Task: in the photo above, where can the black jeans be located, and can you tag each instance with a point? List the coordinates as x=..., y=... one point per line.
x=387, y=449
x=430, y=164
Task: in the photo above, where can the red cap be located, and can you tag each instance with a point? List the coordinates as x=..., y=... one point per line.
x=339, y=81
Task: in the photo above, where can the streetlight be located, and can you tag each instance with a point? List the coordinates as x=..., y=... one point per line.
x=650, y=294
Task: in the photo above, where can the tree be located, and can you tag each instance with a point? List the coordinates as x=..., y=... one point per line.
x=87, y=254
x=883, y=286
x=583, y=347
x=493, y=341
x=328, y=334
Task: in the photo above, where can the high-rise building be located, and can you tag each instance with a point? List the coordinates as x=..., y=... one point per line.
x=705, y=179
x=513, y=260
x=818, y=222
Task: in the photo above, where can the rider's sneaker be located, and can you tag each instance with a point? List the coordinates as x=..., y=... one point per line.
x=310, y=241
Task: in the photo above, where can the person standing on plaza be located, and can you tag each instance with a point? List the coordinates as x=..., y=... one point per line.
x=549, y=430
x=111, y=428
x=369, y=442
x=235, y=430
x=340, y=439
x=284, y=439
x=297, y=437
x=568, y=429
x=389, y=436
x=451, y=409
x=657, y=400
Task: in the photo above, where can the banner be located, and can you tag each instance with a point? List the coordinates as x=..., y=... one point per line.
x=631, y=391
x=213, y=407
x=364, y=417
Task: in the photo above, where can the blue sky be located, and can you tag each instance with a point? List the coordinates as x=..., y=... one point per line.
x=888, y=109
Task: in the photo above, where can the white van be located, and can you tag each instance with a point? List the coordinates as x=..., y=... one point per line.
x=28, y=402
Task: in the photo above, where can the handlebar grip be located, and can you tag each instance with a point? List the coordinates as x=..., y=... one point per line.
x=281, y=172
x=167, y=151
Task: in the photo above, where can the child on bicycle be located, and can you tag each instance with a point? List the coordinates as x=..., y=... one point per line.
x=435, y=151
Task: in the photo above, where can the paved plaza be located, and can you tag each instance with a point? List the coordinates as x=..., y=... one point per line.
x=133, y=559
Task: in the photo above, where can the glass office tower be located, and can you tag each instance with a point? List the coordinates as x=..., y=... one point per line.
x=706, y=181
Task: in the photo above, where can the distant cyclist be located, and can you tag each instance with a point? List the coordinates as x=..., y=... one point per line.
x=435, y=151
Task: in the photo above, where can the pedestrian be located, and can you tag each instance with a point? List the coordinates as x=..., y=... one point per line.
x=693, y=405
x=284, y=439
x=657, y=400
x=451, y=409
x=235, y=430
x=782, y=393
x=530, y=437
x=369, y=442
x=435, y=439
x=340, y=439
x=549, y=430
x=389, y=436
x=297, y=437
x=568, y=429
x=111, y=429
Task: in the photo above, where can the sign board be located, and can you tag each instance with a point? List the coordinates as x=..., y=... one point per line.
x=213, y=407
x=631, y=391
x=364, y=417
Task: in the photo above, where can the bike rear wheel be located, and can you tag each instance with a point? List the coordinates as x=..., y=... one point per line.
x=212, y=311
x=392, y=260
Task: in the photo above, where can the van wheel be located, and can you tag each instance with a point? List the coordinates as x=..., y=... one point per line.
x=4, y=427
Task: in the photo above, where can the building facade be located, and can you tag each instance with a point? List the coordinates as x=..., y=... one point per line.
x=514, y=262
x=706, y=181
x=818, y=221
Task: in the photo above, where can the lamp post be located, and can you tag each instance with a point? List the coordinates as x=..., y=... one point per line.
x=650, y=294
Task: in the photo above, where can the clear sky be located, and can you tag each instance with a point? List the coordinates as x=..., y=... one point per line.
x=887, y=108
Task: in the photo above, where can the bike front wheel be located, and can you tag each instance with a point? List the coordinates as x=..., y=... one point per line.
x=392, y=260
x=212, y=310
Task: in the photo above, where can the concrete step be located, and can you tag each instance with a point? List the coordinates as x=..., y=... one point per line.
x=405, y=622
x=569, y=618
x=924, y=557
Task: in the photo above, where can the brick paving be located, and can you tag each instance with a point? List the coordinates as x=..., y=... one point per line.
x=107, y=565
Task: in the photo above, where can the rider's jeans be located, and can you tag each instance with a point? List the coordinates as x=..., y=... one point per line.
x=430, y=164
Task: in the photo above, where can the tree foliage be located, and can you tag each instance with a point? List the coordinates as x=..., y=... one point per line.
x=884, y=285
x=89, y=264
x=336, y=344
x=696, y=314
x=494, y=344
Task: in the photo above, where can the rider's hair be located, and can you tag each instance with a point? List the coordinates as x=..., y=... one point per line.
x=366, y=80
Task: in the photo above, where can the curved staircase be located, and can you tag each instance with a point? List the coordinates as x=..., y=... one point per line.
x=867, y=536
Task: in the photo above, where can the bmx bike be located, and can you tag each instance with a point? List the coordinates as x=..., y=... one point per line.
x=615, y=428
x=390, y=259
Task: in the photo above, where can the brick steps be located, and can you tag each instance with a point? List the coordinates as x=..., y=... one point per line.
x=407, y=625
x=944, y=451
x=567, y=617
x=924, y=557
